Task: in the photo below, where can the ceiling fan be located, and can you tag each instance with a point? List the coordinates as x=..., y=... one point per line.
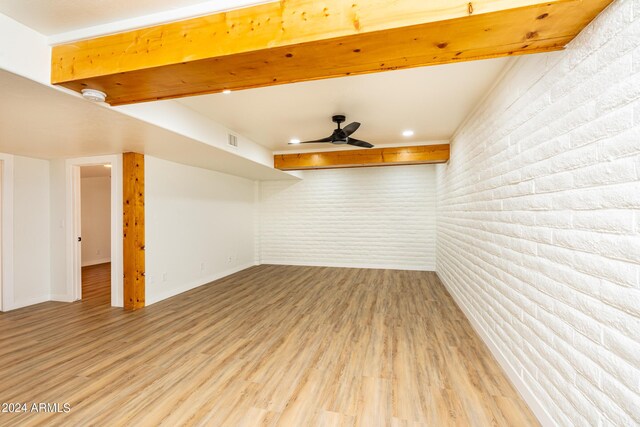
x=342, y=136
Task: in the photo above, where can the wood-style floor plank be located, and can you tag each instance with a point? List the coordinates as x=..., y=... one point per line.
x=269, y=346
x=96, y=289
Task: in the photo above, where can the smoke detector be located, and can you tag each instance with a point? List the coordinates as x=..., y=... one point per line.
x=94, y=95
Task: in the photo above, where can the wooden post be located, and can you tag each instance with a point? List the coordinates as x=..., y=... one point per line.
x=133, y=227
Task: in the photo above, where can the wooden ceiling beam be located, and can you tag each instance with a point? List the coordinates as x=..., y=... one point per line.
x=389, y=156
x=299, y=40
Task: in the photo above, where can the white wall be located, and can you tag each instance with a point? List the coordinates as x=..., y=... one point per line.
x=199, y=227
x=382, y=217
x=31, y=239
x=539, y=222
x=96, y=219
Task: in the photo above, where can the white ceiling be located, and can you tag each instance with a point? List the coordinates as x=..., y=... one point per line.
x=50, y=17
x=431, y=101
x=40, y=121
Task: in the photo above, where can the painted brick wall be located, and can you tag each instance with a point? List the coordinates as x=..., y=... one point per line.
x=371, y=217
x=538, y=231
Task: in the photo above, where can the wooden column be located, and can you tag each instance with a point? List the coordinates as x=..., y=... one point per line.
x=133, y=227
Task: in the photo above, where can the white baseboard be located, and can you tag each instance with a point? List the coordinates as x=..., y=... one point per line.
x=61, y=298
x=27, y=302
x=96, y=262
x=351, y=265
x=525, y=390
x=196, y=283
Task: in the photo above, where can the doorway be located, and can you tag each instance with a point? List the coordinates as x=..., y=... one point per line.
x=95, y=233
x=94, y=237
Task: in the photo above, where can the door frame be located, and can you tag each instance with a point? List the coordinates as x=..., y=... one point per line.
x=6, y=232
x=73, y=218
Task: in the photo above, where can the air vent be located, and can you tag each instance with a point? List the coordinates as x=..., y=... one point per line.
x=233, y=141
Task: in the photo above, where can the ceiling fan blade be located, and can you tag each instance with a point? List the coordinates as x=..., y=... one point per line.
x=328, y=139
x=358, y=143
x=350, y=128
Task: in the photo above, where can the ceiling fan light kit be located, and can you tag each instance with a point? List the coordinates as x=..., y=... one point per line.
x=341, y=135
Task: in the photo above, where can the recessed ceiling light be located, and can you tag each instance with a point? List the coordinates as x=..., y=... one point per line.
x=226, y=91
x=294, y=141
x=94, y=95
x=407, y=133
x=108, y=165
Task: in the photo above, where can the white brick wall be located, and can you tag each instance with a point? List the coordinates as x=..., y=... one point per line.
x=380, y=217
x=538, y=230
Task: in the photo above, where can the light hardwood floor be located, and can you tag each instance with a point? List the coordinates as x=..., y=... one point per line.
x=96, y=284
x=271, y=345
